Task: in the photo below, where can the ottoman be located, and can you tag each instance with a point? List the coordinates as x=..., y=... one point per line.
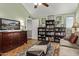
x=35, y=53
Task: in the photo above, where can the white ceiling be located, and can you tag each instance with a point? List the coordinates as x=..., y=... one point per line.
x=53, y=9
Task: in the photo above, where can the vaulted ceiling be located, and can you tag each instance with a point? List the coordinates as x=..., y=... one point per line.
x=53, y=9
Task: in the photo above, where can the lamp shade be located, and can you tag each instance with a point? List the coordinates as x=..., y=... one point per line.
x=75, y=25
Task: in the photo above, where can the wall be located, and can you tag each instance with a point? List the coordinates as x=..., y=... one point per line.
x=63, y=19
x=77, y=14
x=14, y=11
x=77, y=17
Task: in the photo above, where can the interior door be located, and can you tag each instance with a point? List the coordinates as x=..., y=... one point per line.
x=35, y=24
x=29, y=28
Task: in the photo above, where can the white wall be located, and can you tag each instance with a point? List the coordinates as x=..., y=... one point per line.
x=77, y=14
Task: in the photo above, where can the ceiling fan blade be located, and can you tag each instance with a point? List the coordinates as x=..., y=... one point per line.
x=45, y=4
x=35, y=6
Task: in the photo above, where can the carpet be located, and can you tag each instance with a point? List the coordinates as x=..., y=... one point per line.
x=49, y=53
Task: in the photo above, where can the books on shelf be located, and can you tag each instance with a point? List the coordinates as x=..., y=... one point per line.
x=41, y=33
x=49, y=29
x=41, y=29
x=50, y=33
x=50, y=26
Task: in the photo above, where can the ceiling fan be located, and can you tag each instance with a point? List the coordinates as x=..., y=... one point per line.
x=44, y=4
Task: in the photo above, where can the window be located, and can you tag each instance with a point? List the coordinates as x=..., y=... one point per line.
x=69, y=22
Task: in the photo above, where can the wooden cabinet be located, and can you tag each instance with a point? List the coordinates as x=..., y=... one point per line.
x=11, y=40
x=24, y=37
x=17, y=38
x=6, y=41
x=0, y=40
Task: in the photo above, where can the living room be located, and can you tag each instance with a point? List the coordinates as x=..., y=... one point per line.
x=39, y=29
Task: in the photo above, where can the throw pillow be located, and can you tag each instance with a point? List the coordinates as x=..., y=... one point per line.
x=73, y=38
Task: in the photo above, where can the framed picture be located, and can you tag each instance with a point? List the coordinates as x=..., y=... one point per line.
x=59, y=20
x=43, y=20
x=7, y=24
x=51, y=17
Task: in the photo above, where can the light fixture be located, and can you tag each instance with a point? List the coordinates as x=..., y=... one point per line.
x=39, y=3
x=35, y=3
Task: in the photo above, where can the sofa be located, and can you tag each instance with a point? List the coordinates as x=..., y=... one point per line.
x=69, y=49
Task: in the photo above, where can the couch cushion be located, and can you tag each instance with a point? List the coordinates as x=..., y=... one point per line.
x=65, y=51
x=65, y=42
x=77, y=42
x=68, y=44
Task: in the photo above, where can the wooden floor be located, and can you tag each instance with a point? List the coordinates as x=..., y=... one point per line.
x=22, y=48
x=56, y=49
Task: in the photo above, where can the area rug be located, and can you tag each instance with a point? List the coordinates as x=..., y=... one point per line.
x=49, y=53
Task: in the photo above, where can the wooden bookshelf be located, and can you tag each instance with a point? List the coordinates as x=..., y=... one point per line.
x=50, y=29
x=41, y=33
x=59, y=33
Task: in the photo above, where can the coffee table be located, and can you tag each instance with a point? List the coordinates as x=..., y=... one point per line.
x=34, y=53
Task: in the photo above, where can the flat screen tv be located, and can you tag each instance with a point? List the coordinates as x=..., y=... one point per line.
x=7, y=24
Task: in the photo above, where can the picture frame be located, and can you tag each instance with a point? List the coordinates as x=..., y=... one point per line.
x=8, y=24
x=59, y=20
x=43, y=20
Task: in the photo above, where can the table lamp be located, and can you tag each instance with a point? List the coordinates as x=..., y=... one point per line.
x=75, y=26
